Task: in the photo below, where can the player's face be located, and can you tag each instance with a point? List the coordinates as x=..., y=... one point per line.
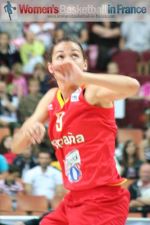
x=68, y=51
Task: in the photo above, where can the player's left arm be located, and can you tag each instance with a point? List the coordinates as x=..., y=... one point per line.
x=103, y=89
x=100, y=89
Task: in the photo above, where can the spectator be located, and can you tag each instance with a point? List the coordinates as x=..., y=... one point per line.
x=31, y=52
x=118, y=156
x=3, y=167
x=10, y=185
x=15, y=31
x=43, y=179
x=136, y=35
x=118, y=150
x=106, y=35
x=144, y=91
x=144, y=152
x=28, y=103
x=131, y=162
x=112, y=68
x=19, y=83
x=8, y=106
x=84, y=38
x=73, y=29
x=58, y=35
x=5, y=149
x=43, y=32
x=25, y=162
x=8, y=54
x=140, y=189
x=46, y=80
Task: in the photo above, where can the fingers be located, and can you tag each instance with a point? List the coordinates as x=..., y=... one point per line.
x=63, y=71
x=59, y=76
x=35, y=133
x=64, y=67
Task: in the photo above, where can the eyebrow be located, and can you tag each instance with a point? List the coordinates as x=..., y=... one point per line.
x=73, y=50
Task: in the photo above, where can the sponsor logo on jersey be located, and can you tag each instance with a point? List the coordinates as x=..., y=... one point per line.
x=68, y=139
x=75, y=95
x=72, y=166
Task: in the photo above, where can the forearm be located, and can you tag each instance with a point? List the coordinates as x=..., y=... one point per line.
x=117, y=83
x=20, y=140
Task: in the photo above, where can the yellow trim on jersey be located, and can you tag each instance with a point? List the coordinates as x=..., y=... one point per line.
x=60, y=99
x=119, y=183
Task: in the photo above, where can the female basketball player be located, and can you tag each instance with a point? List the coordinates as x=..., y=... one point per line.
x=82, y=130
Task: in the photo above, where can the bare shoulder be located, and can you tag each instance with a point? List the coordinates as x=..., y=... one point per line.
x=48, y=97
x=41, y=112
x=95, y=95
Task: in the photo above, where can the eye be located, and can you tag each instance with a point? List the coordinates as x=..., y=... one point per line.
x=75, y=56
x=60, y=57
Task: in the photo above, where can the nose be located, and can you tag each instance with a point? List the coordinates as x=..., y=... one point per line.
x=68, y=58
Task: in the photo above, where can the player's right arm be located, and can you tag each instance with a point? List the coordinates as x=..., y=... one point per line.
x=33, y=130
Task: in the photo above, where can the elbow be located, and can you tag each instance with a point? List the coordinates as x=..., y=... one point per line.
x=134, y=87
x=15, y=146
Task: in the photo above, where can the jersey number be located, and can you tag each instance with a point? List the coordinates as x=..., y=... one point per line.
x=59, y=121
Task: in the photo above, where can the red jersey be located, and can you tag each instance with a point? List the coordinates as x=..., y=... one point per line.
x=83, y=137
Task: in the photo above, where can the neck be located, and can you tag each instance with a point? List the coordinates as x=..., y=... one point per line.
x=67, y=91
x=30, y=41
x=44, y=169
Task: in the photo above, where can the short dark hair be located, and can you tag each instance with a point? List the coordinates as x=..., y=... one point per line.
x=66, y=39
x=13, y=169
x=46, y=151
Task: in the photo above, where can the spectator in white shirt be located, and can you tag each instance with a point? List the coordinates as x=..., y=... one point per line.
x=136, y=35
x=43, y=179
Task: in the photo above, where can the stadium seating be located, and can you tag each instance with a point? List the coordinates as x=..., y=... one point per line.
x=127, y=61
x=5, y=204
x=24, y=205
x=32, y=204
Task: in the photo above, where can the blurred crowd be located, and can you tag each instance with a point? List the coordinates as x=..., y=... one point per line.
x=112, y=48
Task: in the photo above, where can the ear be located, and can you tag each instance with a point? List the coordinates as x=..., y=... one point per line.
x=50, y=68
x=85, y=66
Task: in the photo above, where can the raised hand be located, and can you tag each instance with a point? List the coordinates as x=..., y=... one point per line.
x=69, y=72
